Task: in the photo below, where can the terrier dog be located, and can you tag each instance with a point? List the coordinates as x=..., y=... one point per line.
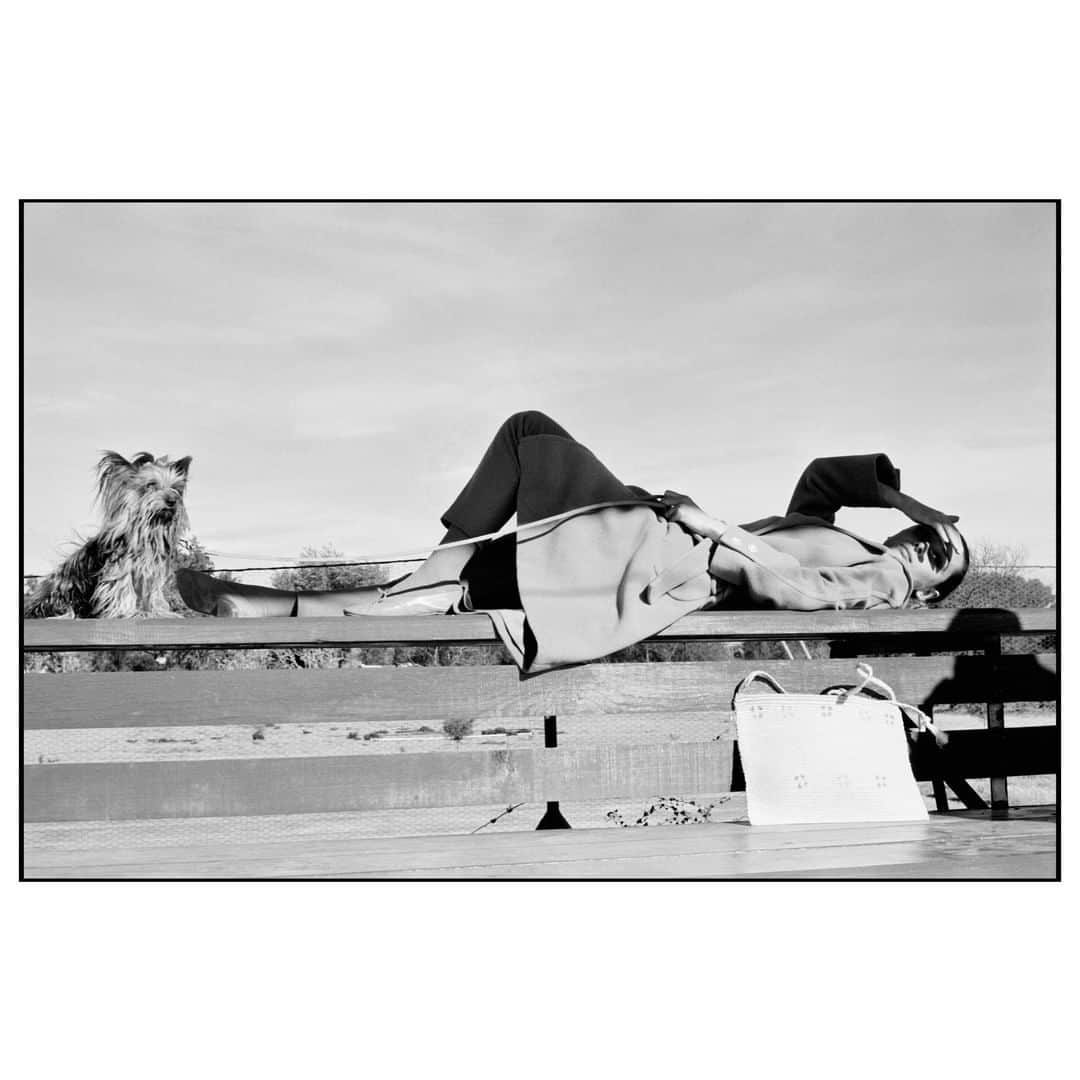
x=121, y=572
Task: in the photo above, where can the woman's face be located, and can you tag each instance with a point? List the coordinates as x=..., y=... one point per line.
x=931, y=553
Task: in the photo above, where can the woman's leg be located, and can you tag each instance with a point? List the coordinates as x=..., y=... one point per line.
x=212, y=596
x=486, y=502
x=484, y=505
x=489, y=499
x=232, y=599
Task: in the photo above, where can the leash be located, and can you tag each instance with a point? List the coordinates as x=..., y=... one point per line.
x=416, y=554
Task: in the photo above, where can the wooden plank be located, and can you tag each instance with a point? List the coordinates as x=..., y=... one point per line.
x=44, y=635
x=138, y=790
x=397, y=695
x=469, y=776
x=366, y=737
x=944, y=847
x=173, y=840
x=223, y=865
x=170, y=838
x=971, y=799
x=995, y=723
x=704, y=853
x=1027, y=751
x=1003, y=866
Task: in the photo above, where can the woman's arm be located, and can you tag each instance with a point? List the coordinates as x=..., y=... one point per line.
x=919, y=512
x=776, y=579
x=829, y=483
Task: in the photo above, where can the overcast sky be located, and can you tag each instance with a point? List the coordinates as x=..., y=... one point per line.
x=335, y=370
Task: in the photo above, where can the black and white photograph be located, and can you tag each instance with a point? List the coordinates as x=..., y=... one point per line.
x=540, y=539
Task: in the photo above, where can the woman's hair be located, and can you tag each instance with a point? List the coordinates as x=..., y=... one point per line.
x=950, y=583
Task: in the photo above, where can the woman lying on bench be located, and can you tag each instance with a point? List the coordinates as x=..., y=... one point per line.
x=618, y=564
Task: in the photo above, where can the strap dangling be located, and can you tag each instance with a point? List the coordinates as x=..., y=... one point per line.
x=923, y=722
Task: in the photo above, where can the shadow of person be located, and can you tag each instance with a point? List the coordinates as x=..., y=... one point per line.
x=982, y=674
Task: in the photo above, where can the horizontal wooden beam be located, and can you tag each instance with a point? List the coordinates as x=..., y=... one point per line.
x=48, y=635
x=117, y=791
x=419, y=694
x=1028, y=751
x=143, y=790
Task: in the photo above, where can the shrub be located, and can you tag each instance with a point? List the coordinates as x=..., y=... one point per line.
x=458, y=729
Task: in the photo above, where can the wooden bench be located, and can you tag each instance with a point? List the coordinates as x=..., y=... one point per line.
x=117, y=783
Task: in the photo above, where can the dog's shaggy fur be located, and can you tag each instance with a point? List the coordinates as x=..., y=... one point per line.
x=121, y=572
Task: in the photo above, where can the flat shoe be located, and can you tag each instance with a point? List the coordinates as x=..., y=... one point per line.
x=197, y=590
x=434, y=600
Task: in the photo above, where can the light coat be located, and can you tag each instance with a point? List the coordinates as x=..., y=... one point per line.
x=599, y=581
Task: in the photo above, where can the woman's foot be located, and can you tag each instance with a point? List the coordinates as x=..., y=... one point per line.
x=337, y=602
x=431, y=589
x=442, y=567
x=232, y=599
x=427, y=600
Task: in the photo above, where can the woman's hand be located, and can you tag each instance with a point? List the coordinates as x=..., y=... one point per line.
x=918, y=512
x=674, y=500
x=687, y=513
x=923, y=514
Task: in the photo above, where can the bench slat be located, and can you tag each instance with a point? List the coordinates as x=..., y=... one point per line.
x=43, y=635
x=216, y=788
x=1028, y=751
x=953, y=845
x=139, y=790
x=392, y=695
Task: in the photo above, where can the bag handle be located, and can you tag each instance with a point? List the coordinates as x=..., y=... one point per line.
x=921, y=721
x=917, y=717
x=867, y=673
x=764, y=676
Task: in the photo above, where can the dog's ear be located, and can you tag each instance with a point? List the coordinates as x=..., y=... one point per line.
x=112, y=464
x=113, y=470
x=182, y=465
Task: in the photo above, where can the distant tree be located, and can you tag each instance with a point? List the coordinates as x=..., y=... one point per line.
x=322, y=577
x=334, y=577
x=995, y=580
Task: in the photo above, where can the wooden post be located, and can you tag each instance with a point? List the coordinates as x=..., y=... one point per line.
x=941, y=796
x=995, y=724
x=553, y=818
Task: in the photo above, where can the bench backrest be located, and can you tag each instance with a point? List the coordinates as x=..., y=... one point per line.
x=424, y=737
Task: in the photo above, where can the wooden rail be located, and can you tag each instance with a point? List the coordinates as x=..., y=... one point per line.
x=50, y=635
x=394, y=695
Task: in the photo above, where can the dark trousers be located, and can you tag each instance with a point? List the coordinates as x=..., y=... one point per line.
x=489, y=498
x=488, y=501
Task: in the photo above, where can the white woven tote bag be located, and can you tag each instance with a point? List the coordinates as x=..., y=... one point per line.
x=821, y=758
